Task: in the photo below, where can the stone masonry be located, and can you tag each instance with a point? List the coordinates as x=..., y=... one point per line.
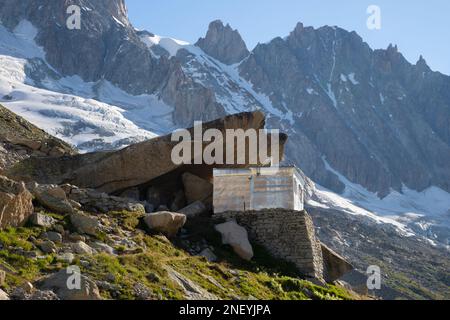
x=286, y=234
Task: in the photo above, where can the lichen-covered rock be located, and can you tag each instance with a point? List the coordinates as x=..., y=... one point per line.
x=168, y=223
x=237, y=237
x=52, y=236
x=15, y=203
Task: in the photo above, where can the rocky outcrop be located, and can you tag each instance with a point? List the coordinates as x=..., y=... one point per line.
x=133, y=166
x=364, y=243
x=223, y=43
x=58, y=283
x=85, y=224
x=19, y=140
x=192, y=291
x=237, y=237
x=335, y=266
x=286, y=234
x=168, y=223
x=16, y=203
x=3, y=295
x=53, y=198
x=112, y=51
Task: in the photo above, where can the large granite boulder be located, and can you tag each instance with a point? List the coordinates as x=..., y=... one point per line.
x=16, y=203
x=168, y=223
x=237, y=237
x=335, y=266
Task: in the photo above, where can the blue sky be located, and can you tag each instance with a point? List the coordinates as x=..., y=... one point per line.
x=417, y=27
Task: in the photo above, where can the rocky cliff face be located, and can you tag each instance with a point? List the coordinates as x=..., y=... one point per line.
x=223, y=43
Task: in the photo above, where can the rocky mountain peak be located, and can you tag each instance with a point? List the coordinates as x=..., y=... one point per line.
x=223, y=43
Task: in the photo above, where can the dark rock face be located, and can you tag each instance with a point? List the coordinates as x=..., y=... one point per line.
x=377, y=119
x=223, y=43
x=108, y=48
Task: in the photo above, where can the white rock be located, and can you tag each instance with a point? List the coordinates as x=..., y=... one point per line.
x=237, y=237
